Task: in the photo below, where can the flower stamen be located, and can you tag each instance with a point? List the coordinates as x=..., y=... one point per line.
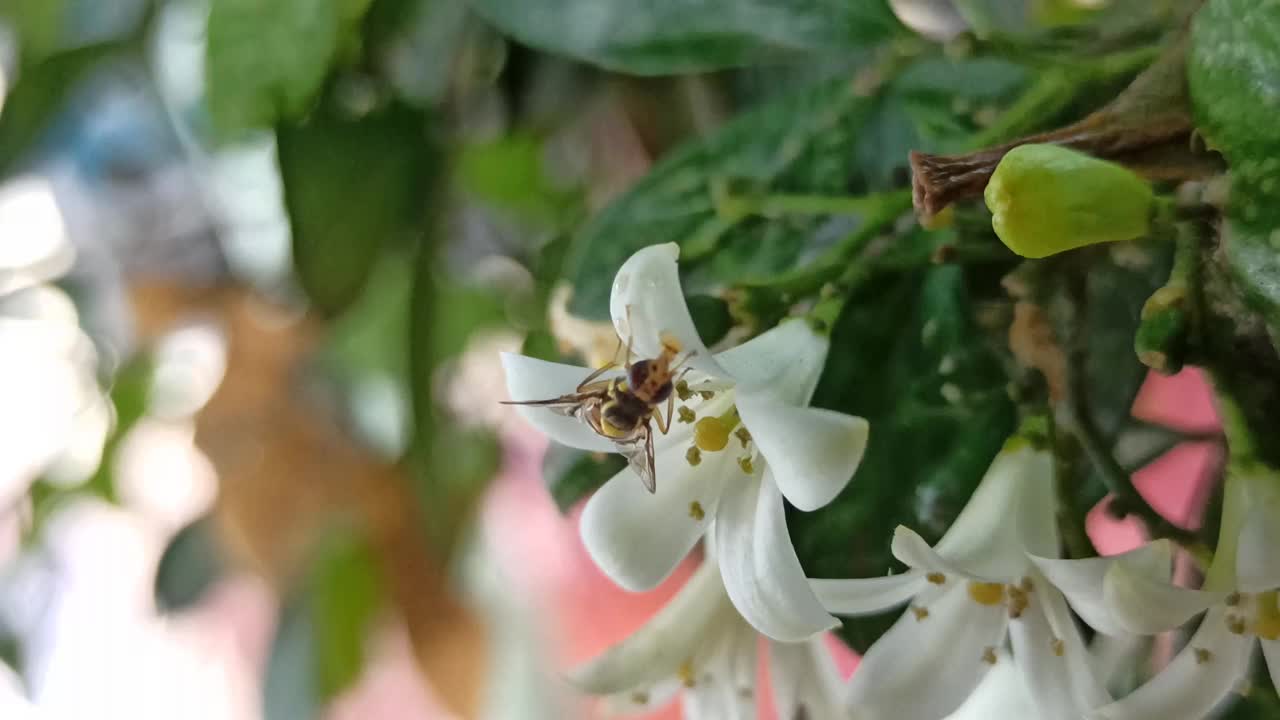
x=919, y=612
x=693, y=456
x=985, y=593
x=936, y=578
x=686, y=674
x=1202, y=656
x=744, y=462
x=989, y=655
x=696, y=512
x=686, y=415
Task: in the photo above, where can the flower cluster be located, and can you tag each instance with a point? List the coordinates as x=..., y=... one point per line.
x=993, y=591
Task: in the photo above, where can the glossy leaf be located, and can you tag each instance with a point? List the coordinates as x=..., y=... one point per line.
x=676, y=36
x=906, y=355
x=344, y=594
x=190, y=565
x=802, y=143
x=352, y=188
x=266, y=61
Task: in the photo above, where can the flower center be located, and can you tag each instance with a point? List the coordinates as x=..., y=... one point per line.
x=985, y=593
x=1016, y=596
x=711, y=434
x=1258, y=614
x=1266, y=622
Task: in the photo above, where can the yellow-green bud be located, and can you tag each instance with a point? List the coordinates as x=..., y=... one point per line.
x=1046, y=199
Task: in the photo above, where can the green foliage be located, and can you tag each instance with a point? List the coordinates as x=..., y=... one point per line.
x=352, y=187
x=906, y=355
x=572, y=475
x=675, y=36
x=802, y=143
x=267, y=60
x=189, y=566
x=509, y=174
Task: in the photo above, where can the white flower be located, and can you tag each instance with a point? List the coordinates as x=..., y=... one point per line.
x=699, y=645
x=779, y=448
x=968, y=592
x=1240, y=606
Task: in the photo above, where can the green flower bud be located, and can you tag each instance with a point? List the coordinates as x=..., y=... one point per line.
x=1045, y=199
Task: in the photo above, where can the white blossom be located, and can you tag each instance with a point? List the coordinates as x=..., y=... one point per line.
x=976, y=587
x=699, y=647
x=779, y=448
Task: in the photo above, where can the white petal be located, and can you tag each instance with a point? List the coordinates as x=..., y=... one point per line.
x=654, y=652
x=1271, y=651
x=989, y=536
x=647, y=302
x=1082, y=580
x=787, y=360
x=812, y=452
x=643, y=699
x=638, y=538
x=805, y=681
x=1257, y=562
x=935, y=19
x=1053, y=660
x=1144, y=605
x=532, y=379
x=913, y=551
x=864, y=596
x=724, y=676
x=1197, y=679
x=924, y=669
x=1000, y=696
x=760, y=569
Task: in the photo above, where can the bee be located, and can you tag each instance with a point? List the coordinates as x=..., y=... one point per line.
x=621, y=408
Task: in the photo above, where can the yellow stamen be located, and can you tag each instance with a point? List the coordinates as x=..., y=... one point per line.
x=1267, y=624
x=989, y=655
x=1058, y=647
x=693, y=456
x=696, y=512
x=919, y=612
x=1017, y=602
x=707, y=394
x=685, y=673
x=1235, y=624
x=710, y=434
x=744, y=462
x=686, y=415
x=682, y=391
x=1233, y=599
x=743, y=436
x=640, y=698
x=1202, y=656
x=936, y=578
x=986, y=593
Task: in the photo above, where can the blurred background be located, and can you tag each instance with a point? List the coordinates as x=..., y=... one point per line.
x=257, y=262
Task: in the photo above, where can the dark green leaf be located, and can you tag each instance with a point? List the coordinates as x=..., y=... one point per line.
x=571, y=474
x=803, y=143
x=906, y=355
x=677, y=36
x=290, y=686
x=711, y=317
x=189, y=566
x=351, y=187
x=344, y=594
x=508, y=174
x=266, y=61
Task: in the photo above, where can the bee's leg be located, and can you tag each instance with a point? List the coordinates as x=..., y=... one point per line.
x=664, y=423
x=630, y=335
x=596, y=373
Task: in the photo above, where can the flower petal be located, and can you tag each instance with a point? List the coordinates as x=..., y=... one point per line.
x=760, y=569
x=647, y=302
x=532, y=379
x=1144, y=605
x=812, y=452
x=923, y=669
x=643, y=698
x=1082, y=580
x=1197, y=679
x=724, y=675
x=914, y=552
x=1257, y=562
x=864, y=596
x=786, y=360
x=991, y=533
x=673, y=636
x=1053, y=660
x=805, y=681
x=1001, y=695
x=638, y=538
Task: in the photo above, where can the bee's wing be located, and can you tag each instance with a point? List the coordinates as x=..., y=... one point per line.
x=572, y=405
x=638, y=450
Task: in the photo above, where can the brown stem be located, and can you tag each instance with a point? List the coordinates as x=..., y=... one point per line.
x=939, y=180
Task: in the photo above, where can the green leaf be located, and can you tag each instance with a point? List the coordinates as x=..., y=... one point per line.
x=572, y=475
x=189, y=566
x=290, y=685
x=802, y=143
x=266, y=60
x=906, y=355
x=677, y=36
x=508, y=174
x=352, y=187
x=344, y=594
